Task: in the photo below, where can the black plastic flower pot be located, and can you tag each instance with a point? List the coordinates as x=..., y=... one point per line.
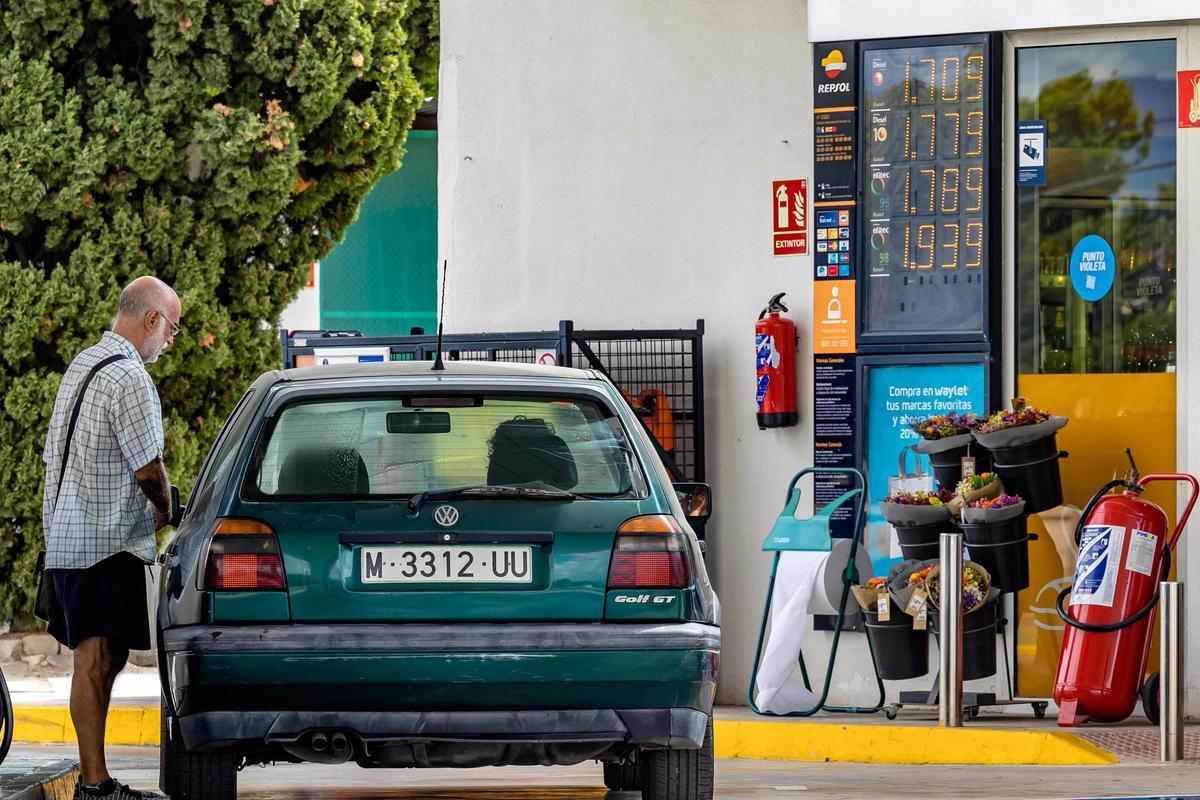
x=1002, y=548
x=979, y=641
x=901, y=652
x=1032, y=471
x=947, y=465
x=921, y=541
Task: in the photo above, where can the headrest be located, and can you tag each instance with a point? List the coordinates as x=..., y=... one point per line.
x=323, y=471
x=528, y=451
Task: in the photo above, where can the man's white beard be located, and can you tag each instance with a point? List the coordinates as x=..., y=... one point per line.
x=155, y=346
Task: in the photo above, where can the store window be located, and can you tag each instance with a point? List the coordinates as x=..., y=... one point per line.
x=1096, y=290
x=1109, y=113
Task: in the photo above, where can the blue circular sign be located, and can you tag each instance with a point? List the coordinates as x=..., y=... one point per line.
x=1093, y=267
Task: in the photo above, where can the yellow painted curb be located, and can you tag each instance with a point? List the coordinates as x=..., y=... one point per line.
x=900, y=744
x=137, y=725
x=775, y=741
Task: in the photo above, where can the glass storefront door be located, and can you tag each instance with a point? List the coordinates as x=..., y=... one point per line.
x=1095, y=271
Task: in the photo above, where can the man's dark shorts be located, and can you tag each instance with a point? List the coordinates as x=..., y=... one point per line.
x=106, y=599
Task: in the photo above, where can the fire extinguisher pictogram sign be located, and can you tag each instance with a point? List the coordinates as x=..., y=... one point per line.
x=790, y=217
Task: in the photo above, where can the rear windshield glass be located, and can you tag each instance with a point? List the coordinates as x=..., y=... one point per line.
x=374, y=447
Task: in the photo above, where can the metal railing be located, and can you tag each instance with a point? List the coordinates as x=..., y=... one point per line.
x=660, y=372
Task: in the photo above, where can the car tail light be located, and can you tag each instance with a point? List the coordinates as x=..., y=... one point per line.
x=243, y=556
x=651, y=552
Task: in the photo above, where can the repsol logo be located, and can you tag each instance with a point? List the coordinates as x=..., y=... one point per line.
x=826, y=88
x=658, y=599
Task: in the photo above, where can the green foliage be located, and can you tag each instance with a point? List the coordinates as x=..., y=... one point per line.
x=222, y=145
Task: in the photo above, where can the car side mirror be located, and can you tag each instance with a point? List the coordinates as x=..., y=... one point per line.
x=696, y=499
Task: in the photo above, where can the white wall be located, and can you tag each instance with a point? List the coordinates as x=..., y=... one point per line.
x=611, y=162
x=833, y=20
x=304, y=313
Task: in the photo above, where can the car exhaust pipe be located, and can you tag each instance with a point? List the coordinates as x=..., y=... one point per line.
x=322, y=747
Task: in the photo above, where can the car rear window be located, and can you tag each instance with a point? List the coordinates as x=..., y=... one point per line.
x=398, y=446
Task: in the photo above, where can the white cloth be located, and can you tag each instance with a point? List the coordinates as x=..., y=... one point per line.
x=779, y=686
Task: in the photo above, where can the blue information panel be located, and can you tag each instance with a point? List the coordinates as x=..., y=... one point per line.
x=896, y=395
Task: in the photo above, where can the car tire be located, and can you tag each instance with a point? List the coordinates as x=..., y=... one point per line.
x=165, y=777
x=184, y=775
x=623, y=777
x=1150, y=699
x=679, y=774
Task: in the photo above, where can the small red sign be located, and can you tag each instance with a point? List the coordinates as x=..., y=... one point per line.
x=790, y=217
x=1189, y=98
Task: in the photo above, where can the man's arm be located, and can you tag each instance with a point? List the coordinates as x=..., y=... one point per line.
x=155, y=484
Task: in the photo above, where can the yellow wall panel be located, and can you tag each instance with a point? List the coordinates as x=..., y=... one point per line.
x=1108, y=413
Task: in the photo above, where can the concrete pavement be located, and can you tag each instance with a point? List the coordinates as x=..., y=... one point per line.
x=736, y=780
x=34, y=775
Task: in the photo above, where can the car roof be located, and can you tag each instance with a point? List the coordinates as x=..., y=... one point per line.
x=408, y=369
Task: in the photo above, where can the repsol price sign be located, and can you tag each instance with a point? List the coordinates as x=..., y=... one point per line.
x=924, y=168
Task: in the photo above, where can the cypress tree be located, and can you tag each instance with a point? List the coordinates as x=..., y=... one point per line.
x=222, y=145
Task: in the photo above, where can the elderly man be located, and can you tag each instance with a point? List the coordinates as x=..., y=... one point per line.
x=107, y=493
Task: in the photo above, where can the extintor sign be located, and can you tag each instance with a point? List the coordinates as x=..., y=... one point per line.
x=790, y=217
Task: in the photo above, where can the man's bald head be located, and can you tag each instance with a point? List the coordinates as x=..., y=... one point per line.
x=146, y=313
x=144, y=294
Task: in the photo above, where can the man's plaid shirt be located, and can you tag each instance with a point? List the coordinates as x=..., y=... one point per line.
x=102, y=510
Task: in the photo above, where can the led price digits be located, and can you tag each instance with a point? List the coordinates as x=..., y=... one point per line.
x=927, y=129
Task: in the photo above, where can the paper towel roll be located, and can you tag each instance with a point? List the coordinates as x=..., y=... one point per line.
x=806, y=583
x=824, y=571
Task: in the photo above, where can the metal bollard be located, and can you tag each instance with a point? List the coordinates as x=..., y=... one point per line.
x=1171, y=671
x=950, y=675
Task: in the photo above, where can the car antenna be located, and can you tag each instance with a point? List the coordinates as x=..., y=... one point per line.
x=437, y=362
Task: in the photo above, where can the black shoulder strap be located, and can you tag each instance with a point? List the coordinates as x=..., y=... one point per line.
x=62, y=471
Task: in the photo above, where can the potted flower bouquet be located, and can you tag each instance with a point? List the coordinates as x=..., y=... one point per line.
x=984, y=486
x=1025, y=453
x=900, y=649
x=947, y=440
x=997, y=537
x=919, y=517
x=979, y=602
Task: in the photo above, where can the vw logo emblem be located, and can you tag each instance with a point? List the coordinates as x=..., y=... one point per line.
x=446, y=516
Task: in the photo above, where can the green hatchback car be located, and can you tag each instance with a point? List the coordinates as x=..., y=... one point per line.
x=400, y=567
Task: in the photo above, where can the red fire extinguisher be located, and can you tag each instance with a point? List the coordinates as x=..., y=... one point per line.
x=1124, y=552
x=775, y=344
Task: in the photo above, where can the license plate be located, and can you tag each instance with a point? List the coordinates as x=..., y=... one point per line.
x=447, y=565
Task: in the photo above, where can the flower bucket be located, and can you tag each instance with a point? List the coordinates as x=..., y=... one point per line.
x=1002, y=548
x=947, y=464
x=920, y=542
x=979, y=641
x=1032, y=471
x=901, y=651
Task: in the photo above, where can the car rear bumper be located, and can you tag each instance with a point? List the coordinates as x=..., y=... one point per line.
x=638, y=684
x=677, y=728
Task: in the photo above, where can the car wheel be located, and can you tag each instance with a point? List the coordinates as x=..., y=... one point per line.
x=1150, y=699
x=165, y=779
x=185, y=775
x=623, y=777
x=679, y=774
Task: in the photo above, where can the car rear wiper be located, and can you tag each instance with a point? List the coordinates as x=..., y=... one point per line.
x=531, y=492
